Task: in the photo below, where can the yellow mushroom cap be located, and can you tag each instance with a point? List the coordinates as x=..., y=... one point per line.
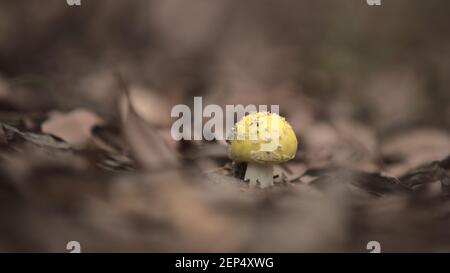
x=262, y=138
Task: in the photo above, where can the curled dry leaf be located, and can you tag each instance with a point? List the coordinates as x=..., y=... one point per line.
x=144, y=140
x=41, y=140
x=414, y=148
x=431, y=177
x=150, y=106
x=74, y=127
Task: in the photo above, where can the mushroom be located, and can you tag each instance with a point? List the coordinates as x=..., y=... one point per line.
x=262, y=139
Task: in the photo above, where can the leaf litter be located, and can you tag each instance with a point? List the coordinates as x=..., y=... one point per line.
x=136, y=196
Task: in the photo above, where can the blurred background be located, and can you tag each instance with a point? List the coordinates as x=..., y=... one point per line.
x=364, y=87
x=385, y=66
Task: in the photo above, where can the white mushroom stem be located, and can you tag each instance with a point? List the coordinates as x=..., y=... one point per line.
x=261, y=174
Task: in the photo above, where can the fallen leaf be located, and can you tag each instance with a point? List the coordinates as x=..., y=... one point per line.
x=414, y=148
x=146, y=144
x=74, y=127
x=42, y=140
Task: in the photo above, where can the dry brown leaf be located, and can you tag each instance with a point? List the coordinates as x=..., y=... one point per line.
x=414, y=148
x=41, y=140
x=145, y=142
x=150, y=106
x=74, y=127
x=343, y=143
